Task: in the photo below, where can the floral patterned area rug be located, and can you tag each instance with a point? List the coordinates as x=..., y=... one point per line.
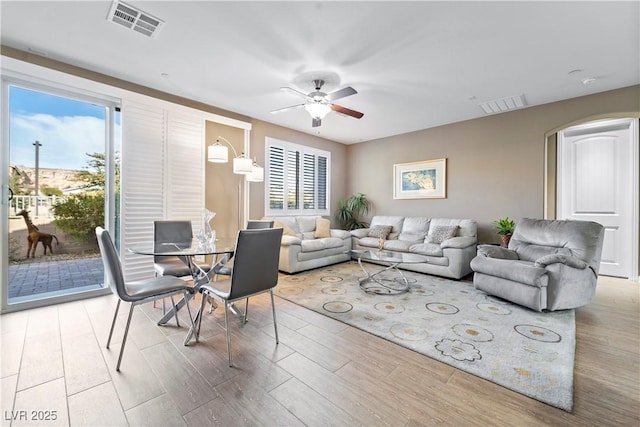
x=528, y=352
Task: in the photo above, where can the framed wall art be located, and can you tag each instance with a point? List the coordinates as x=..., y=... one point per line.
x=420, y=180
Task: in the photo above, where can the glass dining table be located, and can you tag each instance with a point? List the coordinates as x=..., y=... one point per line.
x=222, y=251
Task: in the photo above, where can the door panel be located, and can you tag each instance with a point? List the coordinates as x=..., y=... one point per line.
x=595, y=185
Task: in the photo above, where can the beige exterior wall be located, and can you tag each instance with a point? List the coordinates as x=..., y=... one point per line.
x=495, y=164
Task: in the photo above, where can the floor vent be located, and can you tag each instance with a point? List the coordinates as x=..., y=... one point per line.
x=134, y=19
x=504, y=104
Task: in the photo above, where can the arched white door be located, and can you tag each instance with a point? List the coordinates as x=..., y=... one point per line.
x=597, y=163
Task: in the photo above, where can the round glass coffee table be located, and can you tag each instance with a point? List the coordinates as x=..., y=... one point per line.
x=375, y=283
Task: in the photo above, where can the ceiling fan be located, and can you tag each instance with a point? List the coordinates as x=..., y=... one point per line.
x=318, y=104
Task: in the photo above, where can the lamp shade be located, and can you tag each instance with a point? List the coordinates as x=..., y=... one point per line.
x=317, y=110
x=257, y=174
x=242, y=165
x=218, y=153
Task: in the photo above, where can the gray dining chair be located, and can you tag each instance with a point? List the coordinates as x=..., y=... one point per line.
x=252, y=224
x=254, y=271
x=256, y=224
x=172, y=231
x=137, y=292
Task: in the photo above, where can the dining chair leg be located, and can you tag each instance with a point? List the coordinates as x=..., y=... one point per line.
x=273, y=309
x=226, y=325
x=124, y=339
x=188, y=310
x=246, y=310
x=113, y=324
x=175, y=310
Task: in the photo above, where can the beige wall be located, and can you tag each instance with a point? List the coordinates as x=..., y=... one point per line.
x=261, y=130
x=495, y=164
x=221, y=184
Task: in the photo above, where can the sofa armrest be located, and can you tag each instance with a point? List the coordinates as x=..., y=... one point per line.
x=567, y=260
x=360, y=233
x=492, y=251
x=458, y=242
x=290, y=240
x=341, y=234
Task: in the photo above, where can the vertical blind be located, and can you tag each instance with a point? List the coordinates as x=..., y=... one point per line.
x=297, y=179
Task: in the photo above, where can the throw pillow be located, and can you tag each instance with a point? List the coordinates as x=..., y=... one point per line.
x=286, y=230
x=442, y=233
x=323, y=228
x=380, y=231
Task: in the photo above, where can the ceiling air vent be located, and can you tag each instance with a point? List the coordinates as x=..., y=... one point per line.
x=504, y=104
x=134, y=19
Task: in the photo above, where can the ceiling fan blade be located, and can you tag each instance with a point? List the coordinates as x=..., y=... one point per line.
x=293, y=91
x=315, y=122
x=282, y=110
x=346, y=111
x=341, y=93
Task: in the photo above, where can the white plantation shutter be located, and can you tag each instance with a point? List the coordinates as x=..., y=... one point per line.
x=322, y=180
x=275, y=178
x=142, y=182
x=162, y=176
x=297, y=178
x=185, y=169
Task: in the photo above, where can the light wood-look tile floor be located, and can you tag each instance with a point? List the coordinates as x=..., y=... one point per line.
x=323, y=372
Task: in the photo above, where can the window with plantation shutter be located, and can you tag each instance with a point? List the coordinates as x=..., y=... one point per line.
x=297, y=179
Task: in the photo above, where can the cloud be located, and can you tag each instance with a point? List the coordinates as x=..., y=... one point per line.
x=65, y=139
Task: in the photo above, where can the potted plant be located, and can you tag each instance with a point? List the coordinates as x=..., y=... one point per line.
x=350, y=211
x=504, y=228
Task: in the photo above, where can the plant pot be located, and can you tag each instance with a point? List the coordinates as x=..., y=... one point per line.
x=505, y=240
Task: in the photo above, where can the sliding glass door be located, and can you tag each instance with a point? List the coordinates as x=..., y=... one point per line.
x=60, y=180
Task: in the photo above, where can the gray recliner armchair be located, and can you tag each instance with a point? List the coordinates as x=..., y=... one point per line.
x=549, y=265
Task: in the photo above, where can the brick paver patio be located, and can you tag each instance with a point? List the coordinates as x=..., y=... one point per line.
x=50, y=275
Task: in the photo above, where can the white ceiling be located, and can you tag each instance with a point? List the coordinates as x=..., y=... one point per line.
x=415, y=64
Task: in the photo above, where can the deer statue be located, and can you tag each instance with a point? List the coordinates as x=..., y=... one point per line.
x=35, y=236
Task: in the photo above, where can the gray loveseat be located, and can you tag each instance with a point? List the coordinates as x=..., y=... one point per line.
x=305, y=245
x=448, y=244
x=550, y=264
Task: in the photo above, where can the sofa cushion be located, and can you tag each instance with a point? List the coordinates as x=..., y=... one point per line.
x=397, y=245
x=289, y=226
x=323, y=228
x=333, y=242
x=380, y=231
x=529, y=252
x=394, y=221
x=468, y=227
x=312, y=245
x=440, y=233
x=414, y=229
x=430, y=249
x=306, y=223
x=369, y=242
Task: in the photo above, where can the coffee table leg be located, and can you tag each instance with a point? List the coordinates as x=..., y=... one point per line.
x=383, y=289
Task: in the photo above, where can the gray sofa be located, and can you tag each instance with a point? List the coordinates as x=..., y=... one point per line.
x=549, y=265
x=448, y=254
x=301, y=249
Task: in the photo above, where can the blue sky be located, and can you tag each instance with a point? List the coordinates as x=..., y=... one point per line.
x=66, y=128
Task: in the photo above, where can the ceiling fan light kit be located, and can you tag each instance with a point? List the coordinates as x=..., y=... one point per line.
x=317, y=110
x=318, y=104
